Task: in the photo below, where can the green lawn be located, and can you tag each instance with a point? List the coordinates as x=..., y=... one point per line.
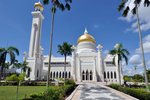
x=9, y=92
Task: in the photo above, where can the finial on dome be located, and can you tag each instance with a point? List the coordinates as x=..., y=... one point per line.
x=38, y=6
x=85, y=31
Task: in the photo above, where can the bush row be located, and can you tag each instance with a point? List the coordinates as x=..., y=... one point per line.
x=135, y=92
x=53, y=93
x=26, y=83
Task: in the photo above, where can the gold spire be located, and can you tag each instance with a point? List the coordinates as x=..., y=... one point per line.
x=86, y=37
x=38, y=5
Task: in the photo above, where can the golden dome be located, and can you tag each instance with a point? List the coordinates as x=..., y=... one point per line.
x=86, y=38
x=38, y=4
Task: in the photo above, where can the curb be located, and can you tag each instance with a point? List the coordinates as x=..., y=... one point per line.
x=72, y=94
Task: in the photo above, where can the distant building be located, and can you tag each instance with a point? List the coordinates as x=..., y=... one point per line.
x=85, y=65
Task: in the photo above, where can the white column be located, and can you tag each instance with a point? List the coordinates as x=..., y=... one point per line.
x=100, y=63
x=94, y=73
x=78, y=70
x=73, y=66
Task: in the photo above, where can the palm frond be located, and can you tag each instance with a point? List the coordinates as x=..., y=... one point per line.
x=67, y=6
x=125, y=57
x=112, y=52
x=122, y=5
x=14, y=49
x=53, y=9
x=65, y=49
x=125, y=51
x=126, y=11
x=146, y=3
x=45, y=2
x=61, y=7
x=12, y=57
x=70, y=1
x=137, y=2
x=134, y=10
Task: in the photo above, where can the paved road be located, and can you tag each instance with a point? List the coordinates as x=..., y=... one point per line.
x=96, y=92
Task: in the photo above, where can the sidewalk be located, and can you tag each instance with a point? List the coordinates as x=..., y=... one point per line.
x=96, y=91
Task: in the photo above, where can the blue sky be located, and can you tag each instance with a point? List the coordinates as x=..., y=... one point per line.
x=100, y=17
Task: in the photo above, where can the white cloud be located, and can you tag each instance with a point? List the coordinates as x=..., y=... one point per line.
x=147, y=38
x=128, y=71
x=135, y=59
x=146, y=45
x=143, y=15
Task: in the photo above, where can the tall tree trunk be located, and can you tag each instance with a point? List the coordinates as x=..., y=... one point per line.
x=17, y=90
x=119, y=72
x=142, y=50
x=1, y=73
x=50, y=52
x=65, y=71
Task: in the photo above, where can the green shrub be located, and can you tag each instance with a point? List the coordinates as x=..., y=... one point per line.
x=135, y=92
x=53, y=93
x=69, y=82
x=114, y=86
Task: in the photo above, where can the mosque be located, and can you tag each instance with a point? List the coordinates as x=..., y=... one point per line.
x=86, y=63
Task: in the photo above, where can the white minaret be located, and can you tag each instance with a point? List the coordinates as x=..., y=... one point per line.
x=34, y=49
x=100, y=64
x=35, y=61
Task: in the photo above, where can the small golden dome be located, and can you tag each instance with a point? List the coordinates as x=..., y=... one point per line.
x=86, y=38
x=39, y=5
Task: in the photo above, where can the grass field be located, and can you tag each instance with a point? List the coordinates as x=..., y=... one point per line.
x=9, y=92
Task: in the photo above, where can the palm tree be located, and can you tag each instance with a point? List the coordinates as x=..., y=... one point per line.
x=11, y=51
x=119, y=54
x=23, y=66
x=55, y=4
x=135, y=12
x=65, y=50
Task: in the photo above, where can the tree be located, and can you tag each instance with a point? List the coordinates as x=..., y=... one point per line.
x=134, y=11
x=138, y=78
x=55, y=4
x=18, y=78
x=23, y=66
x=148, y=75
x=65, y=50
x=127, y=78
x=119, y=54
x=12, y=52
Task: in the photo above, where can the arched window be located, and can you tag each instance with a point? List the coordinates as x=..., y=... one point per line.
x=87, y=75
x=104, y=74
x=69, y=75
x=66, y=75
x=63, y=75
x=91, y=75
x=53, y=74
x=28, y=73
x=83, y=77
x=37, y=73
x=111, y=75
x=107, y=74
x=115, y=75
x=59, y=74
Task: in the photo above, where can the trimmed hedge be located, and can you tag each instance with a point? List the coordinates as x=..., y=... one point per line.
x=135, y=92
x=53, y=93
